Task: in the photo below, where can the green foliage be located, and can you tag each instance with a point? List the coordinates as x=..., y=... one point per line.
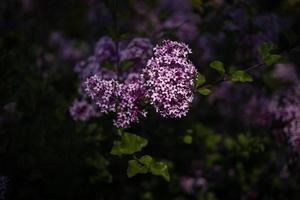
x=147, y=164
x=160, y=169
x=134, y=167
x=245, y=144
x=100, y=164
x=200, y=80
x=218, y=66
x=240, y=76
x=204, y=91
x=146, y=160
x=265, y=51
x=129, y=144
x=188, y=139
x=213, y=140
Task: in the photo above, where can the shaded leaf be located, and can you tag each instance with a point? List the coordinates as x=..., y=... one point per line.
x=129, y=144
x=187, y=139
x=218, y=65
x=146, y=160
x=272, y=59
x=200, y=80
x=265, y=49
x=240, y=76
x=267, y=57
x=134, y=167
x=204, y=91
x=160, y=169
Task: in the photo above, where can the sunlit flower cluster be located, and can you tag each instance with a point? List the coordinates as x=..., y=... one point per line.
x=169, y=79
x=112, y=88
x=130, y=96
x=165, y=81
x=102, y=92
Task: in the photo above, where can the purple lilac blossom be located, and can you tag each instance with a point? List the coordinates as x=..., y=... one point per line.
x=138, y=48
x=105, y=49
x=186, y=26
x=190, y=184
x=285, y=108
x=253, y=104
x=69, y=50
x=256, y=111
x=285, y=72
x=169, y=79
x=122, y=98
x=120, y=92
x=130, y=95
x=187, y=184
x=167, y=82
x=102, y=92
x=82, y=110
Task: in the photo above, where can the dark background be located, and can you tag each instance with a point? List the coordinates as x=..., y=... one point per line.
x=47, y=155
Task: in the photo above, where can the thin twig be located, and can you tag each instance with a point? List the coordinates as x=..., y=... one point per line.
x=225, y=77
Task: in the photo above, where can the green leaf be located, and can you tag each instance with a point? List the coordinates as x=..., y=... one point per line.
x=204, y=91
x=267, y=57
x=187, y=139
x=213, y=140
x=146, y=160
x=272, y=59
x=134, y=167
x=218, y=65
x=243, y=139
x=129, y=144
x=240, y=76
x=229, y=143
x=160, y=169
x=200, y=80
x=126, y=64
x=265, y=49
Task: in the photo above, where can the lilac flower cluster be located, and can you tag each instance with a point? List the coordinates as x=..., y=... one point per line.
x=122, y=98
x=111, y=88
x=130, y=97
x=285, y=72
x=139, y=49
x=102, y=92
x=166, y=81
x=190, y=184
x=69, y=50
x=169, y=79
x=81, y=110
x=285, y=108
x=232, y=99
x=181, y=19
